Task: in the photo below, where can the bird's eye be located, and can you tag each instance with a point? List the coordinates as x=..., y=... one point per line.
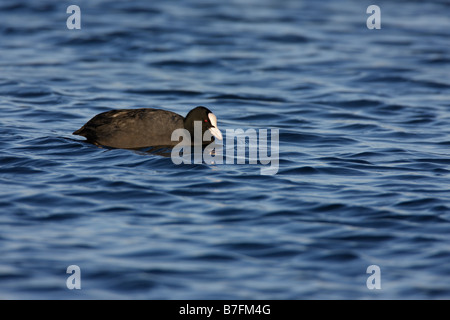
x=206, y=120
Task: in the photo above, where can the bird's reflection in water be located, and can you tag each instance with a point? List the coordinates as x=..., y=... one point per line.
x=193, y=153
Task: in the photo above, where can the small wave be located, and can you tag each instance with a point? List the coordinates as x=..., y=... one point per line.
x=287, y=38
x=167, y=92
x=247, y=97
x=301, y=170
x=424, y=202
x=173, y=63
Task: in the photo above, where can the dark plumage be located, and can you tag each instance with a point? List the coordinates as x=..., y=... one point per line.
x=146, y=127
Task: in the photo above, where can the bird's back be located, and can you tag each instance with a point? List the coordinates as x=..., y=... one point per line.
x=132, y=128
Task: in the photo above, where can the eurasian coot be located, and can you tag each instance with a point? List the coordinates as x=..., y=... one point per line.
x=146, y=127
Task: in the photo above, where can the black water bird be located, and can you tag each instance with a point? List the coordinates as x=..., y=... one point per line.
x=145, y=127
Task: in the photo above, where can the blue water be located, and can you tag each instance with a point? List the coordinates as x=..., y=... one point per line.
x=364, y=150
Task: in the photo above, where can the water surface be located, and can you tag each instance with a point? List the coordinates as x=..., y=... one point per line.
x=364, y=161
